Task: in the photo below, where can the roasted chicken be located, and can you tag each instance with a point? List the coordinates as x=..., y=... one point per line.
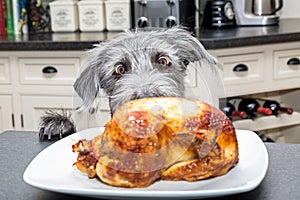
x=160, y=139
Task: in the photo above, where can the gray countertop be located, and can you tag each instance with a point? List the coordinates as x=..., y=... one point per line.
x=18, y=148
x=288, y=30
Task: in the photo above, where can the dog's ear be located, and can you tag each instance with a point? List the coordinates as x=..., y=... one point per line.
x=87, y=85
x=189, y=47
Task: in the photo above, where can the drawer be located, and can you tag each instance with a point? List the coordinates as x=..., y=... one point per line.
x=4, y=71
x=287, y=64
x=48, y=71
x=243, y=69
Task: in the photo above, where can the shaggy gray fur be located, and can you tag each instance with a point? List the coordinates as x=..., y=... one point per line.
x=56, y=124
x=139, y=52
x=145, y=78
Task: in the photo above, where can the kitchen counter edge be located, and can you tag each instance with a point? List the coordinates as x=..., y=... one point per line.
x=288, y=30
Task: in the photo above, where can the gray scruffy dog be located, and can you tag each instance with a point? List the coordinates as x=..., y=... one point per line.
x=134, y=65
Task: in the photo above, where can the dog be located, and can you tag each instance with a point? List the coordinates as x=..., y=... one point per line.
x=133, y=65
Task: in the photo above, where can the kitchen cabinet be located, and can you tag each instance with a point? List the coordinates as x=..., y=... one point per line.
x=270, y=72
x=6, y=113
x=32, y=82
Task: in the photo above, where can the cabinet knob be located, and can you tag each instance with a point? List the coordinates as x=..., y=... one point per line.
x=293, y=61
x=49, y=70
x=142, y=22
x=171, y=21
x=240, y=68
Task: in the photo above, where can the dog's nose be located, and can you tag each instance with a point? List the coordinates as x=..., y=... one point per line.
x=142, y=95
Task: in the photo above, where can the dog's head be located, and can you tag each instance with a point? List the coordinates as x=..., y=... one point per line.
x=139, y=64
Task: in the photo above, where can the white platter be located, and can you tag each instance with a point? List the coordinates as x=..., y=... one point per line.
x=52, y=170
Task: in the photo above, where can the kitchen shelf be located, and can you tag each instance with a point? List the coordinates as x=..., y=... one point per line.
x=268, y=122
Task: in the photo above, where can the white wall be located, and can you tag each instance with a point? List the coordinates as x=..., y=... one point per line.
x=291, y=9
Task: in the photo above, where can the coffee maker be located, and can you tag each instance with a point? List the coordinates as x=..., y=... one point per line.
x=256, y=12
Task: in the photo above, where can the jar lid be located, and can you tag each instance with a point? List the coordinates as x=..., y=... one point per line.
x=117, y=1
x=62, y=2
x=92, y=2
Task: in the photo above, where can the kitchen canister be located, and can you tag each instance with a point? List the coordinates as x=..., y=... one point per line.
x=64, y=16
x=91, y=15
x=118, y=17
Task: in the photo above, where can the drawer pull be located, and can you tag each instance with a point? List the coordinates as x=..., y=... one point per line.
x=22, y=121
x=13, y=120
x=49, y=70
x=240, y=68
x=293, y=61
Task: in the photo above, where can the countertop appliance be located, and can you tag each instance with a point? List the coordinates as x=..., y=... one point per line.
x=256, y=12
x=163, y=13
x=219, y=14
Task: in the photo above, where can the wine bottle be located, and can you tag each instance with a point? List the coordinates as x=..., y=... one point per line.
x=230, y=111
x=276, y=108
x=252, y=108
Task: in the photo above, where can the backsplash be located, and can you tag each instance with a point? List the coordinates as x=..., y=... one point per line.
x=290, y=9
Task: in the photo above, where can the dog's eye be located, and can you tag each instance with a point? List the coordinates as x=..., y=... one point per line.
x=120, y=69
x=164, y=61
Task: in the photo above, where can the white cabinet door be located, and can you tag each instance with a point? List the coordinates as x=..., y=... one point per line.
x=6, y=113
x=4, y=71
x=33, y=107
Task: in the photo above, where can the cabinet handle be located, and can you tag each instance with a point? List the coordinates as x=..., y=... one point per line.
x=13, y=120
x=240, y=68
x=49, y=70
x=22, y=121
x=293, y=61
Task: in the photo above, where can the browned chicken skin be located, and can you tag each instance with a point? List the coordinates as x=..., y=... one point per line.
x=160, y=138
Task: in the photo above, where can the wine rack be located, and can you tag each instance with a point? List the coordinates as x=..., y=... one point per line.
x=281, y=128
x=271, y=72
x=268, y=122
